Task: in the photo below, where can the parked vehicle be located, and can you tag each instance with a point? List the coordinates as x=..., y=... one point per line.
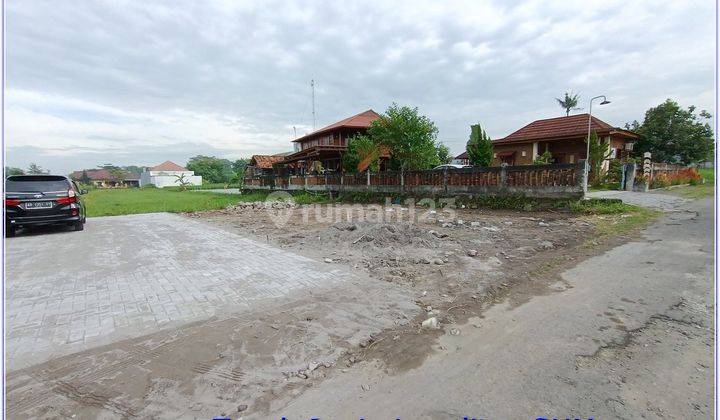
x=450, y=166
x=32, y=200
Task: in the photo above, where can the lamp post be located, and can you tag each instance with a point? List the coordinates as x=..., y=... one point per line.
x=587, y=152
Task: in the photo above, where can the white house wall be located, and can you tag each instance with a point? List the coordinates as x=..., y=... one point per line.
x=168, y=178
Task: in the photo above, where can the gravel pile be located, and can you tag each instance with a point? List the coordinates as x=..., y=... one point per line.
x=381, y=235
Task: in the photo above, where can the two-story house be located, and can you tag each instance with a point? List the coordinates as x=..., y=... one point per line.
x=324, y=147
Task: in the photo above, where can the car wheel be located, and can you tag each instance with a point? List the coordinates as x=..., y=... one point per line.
x=10, y=231
x=79, y=226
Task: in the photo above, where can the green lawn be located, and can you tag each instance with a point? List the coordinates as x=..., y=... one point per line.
x=113, y=202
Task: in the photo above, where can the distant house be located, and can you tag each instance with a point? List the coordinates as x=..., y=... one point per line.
x=326, y=146
x=461, y=159
x=104, y=178
x=167, y=174
x=262, y=164
x=563, y=137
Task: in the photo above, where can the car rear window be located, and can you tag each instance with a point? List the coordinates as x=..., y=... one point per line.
x=36, y=184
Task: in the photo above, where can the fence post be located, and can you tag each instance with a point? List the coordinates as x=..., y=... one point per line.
x=402, y=181
x=629, y=176
x=368, y=177
x=445, y=180
x=582, y=166
x=305, y=181
x=503, y=175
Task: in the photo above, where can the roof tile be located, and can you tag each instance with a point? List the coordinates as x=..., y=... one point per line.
x=168, y=166
x=361, y=120
x=265, y=161
x=557, y=127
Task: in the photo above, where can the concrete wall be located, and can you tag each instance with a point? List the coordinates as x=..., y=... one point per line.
x=168, y=178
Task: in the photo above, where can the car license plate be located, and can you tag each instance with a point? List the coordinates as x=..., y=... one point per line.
x=33, y=205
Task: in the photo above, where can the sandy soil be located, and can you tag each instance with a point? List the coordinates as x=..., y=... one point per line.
x=430, y=264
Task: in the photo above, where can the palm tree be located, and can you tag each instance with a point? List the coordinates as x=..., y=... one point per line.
x=569, y=103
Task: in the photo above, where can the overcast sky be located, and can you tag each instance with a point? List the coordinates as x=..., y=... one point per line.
x=140, y=82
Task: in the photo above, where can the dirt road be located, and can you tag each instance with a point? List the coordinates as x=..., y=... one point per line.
x=629, y=334
x=524, y=328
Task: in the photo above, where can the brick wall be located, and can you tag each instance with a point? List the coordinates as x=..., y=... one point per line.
x=527, y=148
x=542, y=181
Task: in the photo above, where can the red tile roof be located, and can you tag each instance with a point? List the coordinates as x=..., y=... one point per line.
x=265, y=161
x=101, y=175
x=462, y=155
x=93, y=174
x=168, y=166
x=560, y=127
x=361, y=120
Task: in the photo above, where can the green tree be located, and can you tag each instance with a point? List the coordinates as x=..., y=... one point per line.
x=85, y=178
x=408, y=136
x=362, y=153
x=569, y=102
x=212, y=169
x=239, y=166
x=133, y=169
x=117, y=174
x=599, y=151
x=35, y=169
x=443, y=153
x=674, y=135
x=479, y=147
x=10, y=171
x=544, y=159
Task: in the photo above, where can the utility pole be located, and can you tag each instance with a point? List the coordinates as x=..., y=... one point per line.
x=312, y=88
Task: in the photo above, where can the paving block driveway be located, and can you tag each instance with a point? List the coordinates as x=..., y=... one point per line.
x=127, y=276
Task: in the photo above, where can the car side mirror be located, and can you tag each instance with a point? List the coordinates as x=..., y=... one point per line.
x=83, y=191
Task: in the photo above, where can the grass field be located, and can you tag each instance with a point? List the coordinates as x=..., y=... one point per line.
x=113, y=202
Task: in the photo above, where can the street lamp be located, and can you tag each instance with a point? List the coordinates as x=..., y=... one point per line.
x=587, y=152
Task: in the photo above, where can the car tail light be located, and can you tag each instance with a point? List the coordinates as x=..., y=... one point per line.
x=12, y=202
x=66, y=200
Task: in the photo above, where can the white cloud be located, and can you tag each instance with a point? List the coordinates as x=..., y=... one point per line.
x=130, y=79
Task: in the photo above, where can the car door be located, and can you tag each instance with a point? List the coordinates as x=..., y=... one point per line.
x=80, y=201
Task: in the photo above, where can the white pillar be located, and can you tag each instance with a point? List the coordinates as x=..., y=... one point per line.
x=535, y=151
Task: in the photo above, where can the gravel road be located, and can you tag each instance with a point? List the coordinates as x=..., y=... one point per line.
x=625, y=334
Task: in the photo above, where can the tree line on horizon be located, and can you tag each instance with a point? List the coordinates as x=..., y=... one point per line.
x=671, y=133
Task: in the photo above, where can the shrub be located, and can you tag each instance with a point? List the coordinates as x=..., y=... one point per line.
x=544, y=159
x=614, y=173
x=685, y=176
x=600, y=206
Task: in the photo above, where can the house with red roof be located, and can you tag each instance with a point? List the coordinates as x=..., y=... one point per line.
x=168, y=174
x=325, y=147
x=106, y=178
x=563, y=137
x=263, y=164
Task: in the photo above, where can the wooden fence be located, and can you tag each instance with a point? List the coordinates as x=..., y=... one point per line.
x=541, y=181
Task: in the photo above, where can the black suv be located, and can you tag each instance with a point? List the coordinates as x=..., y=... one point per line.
x=32, y=200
